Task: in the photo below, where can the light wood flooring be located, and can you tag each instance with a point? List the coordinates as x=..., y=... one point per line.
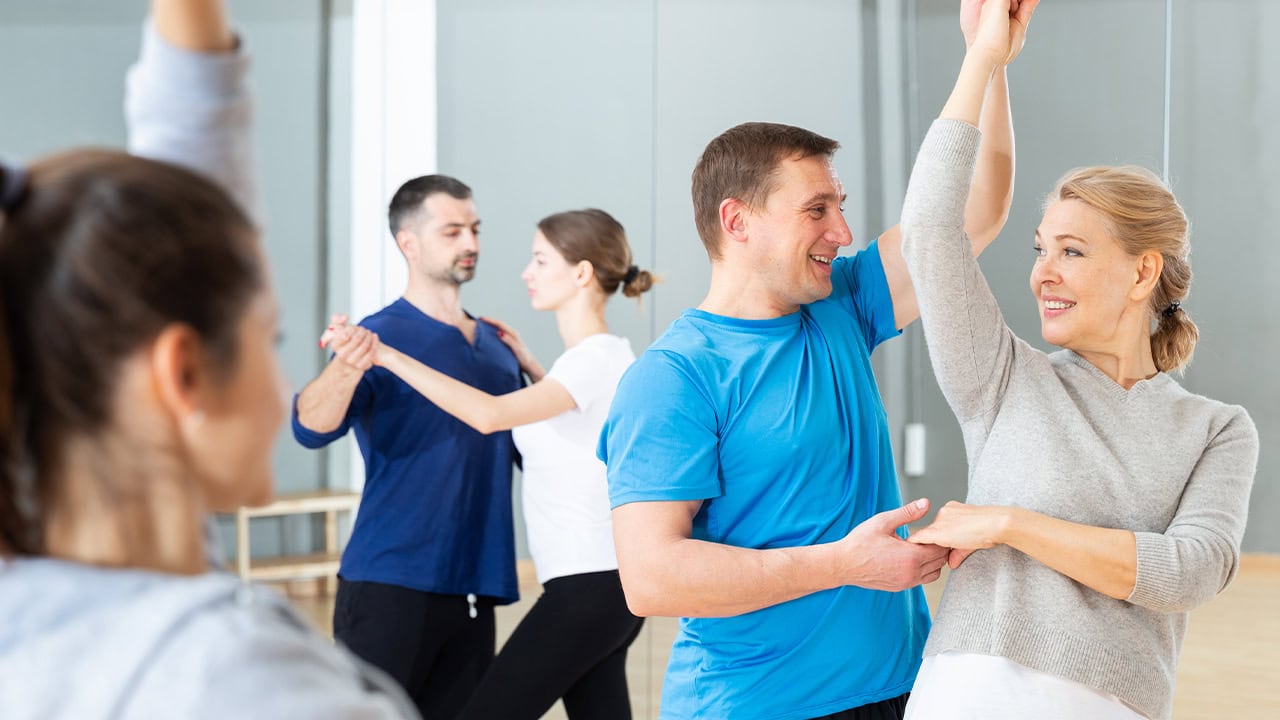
x=1230, y=665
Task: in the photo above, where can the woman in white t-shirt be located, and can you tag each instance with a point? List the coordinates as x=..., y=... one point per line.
x=573, y=642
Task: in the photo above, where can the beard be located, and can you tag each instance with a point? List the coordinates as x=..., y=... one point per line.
x=457, y=273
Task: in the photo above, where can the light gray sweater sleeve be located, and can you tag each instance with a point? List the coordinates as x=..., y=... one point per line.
x=195, y=110
x=1199, y=553
x=970, y=345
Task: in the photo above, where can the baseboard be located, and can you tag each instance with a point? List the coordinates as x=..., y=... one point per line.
x=1260, y=561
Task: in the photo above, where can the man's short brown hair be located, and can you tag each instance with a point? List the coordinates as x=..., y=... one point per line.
x=742, y=163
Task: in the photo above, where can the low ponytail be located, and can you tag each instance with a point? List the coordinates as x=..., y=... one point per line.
x=1174, y=341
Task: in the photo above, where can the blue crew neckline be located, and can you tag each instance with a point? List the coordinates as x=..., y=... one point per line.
x=787, y=321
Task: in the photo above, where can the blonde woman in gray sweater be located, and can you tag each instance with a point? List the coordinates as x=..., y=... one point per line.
x=1105, y=500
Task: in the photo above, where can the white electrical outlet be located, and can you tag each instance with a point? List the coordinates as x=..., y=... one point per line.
x=913, y=450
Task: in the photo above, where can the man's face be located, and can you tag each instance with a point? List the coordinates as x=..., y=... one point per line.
x=445, y=240
x=798, y=232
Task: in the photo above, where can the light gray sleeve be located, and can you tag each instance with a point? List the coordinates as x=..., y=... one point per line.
x=1195, y=558
x=260, y=660
x=970, y=345
x=195, y=110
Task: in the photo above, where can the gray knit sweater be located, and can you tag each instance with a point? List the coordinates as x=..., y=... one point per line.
x=1053, y=434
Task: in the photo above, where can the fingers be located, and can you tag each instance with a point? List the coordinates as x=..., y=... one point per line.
x=337, y=321
x=355, y=346
x=891, y=520
x=1024, y=10
x=503, y=328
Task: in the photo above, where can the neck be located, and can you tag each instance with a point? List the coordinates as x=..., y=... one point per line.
x=1126, y=366
x=114, y=510
x=742, y=294
x=1126, y=356
x=581, y=317
x=441, y=301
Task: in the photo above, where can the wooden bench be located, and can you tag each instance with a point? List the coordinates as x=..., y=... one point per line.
x=296, y=567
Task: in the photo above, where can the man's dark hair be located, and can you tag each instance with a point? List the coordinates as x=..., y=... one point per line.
x=741, y=163
x=408, y=200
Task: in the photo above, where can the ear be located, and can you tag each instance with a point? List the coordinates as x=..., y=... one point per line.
x=733, y=219
x=1149, y=267
x=405, y=241
x=584, y=273
x=179, y=375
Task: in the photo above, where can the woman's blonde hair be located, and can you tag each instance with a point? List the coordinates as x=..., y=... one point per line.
x=1144, y=216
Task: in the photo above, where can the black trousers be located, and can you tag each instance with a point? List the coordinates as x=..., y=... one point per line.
x=572, y=645
x=891, y=709
x=429, y=643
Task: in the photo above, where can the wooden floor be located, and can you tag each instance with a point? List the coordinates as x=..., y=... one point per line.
x=1230, y=665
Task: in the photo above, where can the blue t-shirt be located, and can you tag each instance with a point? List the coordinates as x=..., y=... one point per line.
x=778, y=427
x=436, y=510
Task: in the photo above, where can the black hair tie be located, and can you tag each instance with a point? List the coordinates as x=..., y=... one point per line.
x=632, y=273
x=13, y=185
x=1173, y=308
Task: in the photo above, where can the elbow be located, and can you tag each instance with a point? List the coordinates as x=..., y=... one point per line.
x=1195, y=584
x=645, y=596
x=309, y=437
x=488, y=424
x=640, y=602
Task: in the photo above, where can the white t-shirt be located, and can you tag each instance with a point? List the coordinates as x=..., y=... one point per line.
x=972, y=686
x=566, y=494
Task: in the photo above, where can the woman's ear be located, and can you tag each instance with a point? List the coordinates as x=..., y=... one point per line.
x=584, y=273
x=1149, y=267
x=179, y=374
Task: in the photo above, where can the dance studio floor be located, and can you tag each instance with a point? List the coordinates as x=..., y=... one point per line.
x=1230, y=664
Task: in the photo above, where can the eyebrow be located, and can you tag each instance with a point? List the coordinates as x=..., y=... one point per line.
x=1065, y=236
x=824, y=197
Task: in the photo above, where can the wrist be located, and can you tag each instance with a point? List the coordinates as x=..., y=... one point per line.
x=1008, y=525
x=982, y=62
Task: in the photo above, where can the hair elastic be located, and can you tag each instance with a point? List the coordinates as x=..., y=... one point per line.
x=13, y=184
x=630, y=277
x=1173, y=308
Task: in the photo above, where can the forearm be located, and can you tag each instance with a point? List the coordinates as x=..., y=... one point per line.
x=1103, y=559
x=323, y=403
x=474, y=407
x=991, y=191
x=965, y=101
x=682, y=577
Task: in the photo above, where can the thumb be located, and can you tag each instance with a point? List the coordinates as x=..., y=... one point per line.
x=958, y=556
x=891, y=520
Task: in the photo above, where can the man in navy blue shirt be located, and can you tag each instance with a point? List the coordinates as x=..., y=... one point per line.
x=432, y=550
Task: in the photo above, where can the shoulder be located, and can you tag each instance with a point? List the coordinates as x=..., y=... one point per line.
x=262, y=658
x=391, y=316
x=1224, y=420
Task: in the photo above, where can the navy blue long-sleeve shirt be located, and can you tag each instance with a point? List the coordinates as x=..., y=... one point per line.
x=436, y=511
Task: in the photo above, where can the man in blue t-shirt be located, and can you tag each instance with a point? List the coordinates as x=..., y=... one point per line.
x=748, y=454
x=432, y=550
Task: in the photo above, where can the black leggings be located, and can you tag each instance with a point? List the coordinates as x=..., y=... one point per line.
x=572, y=645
